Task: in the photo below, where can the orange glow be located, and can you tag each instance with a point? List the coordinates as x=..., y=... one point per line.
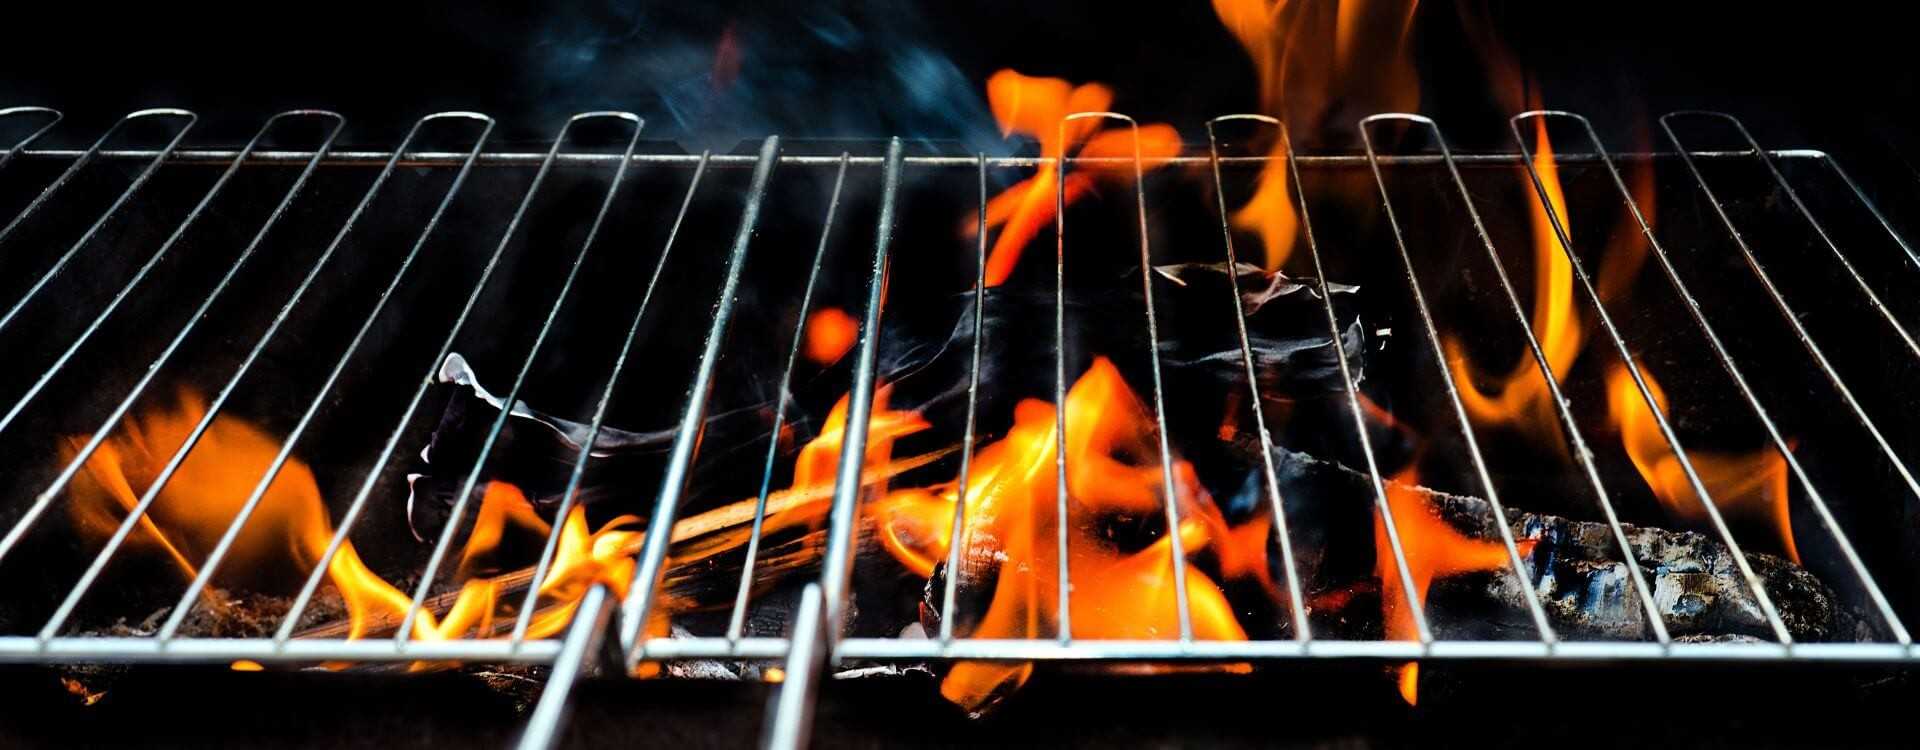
x=1520, y=399
x=1112, y=469
x=1742, y=485
x=1036, y=106
x=1433, y=549
x=291, y=526
x=1307, y=57
x=830, y=334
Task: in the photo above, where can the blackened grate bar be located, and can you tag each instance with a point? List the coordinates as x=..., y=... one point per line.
x=608, y=631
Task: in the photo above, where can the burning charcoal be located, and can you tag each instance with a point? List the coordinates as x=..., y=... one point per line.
x=1286, y=328
x=1576, y=569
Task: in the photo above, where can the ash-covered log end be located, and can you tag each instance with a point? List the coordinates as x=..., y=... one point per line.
x=1585, y=585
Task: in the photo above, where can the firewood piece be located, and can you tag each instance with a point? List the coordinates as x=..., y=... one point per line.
x=1583, y=583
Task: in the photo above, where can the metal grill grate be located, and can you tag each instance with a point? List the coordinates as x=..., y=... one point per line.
x=810, y=641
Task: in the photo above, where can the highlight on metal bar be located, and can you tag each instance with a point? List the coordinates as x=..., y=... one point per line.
x=126, y=196
x=789, y=722
x=1296, y=601
x=6, y=155
x=737, y=620
x=46, y=497
x=571, y=494
x=957, y=537
x=836, y=569
x=1452, y=389
x=653, y=551
x=1813, y=351
x=138, y=512
x=160, y=253
x=1639, y=380
x=1872, y=208
x=1167, y=491
x=356, y=157
x=1859, y=282
x=80, y=160
x=575, y=660
x=456, y=517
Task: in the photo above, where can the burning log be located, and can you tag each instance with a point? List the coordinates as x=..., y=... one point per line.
x=1583, y=584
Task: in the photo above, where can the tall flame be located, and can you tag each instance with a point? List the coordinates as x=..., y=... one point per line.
x=1036, y=107
x=1308, y=62
x=1742, y=485
x=1520, y=398
x=1010, y=533
x=1433, y=549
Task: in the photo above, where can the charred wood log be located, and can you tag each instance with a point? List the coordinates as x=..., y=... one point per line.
x=1581, y=577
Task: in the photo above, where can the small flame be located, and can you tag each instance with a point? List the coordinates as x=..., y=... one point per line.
x=1112, y=469
x=1521, y=399
x=1433, y=549
x=1036, y=106
x=1742, y=485
x=830, y=334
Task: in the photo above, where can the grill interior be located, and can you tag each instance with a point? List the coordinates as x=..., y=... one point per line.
x=622, y=283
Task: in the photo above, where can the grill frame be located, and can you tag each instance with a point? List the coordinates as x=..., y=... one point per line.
x=607, y=633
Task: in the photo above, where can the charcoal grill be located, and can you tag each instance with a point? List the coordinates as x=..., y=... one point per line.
x=605, y=634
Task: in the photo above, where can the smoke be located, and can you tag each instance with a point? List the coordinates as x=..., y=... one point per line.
x=710, y=75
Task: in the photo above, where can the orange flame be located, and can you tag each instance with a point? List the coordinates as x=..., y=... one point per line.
x=1742, y=485
x=1306, y=61
x=1521, y=399
x=830, y=334
x=1036, y=107
x=1010, y=532
x=1433, y=549
x=291, y=525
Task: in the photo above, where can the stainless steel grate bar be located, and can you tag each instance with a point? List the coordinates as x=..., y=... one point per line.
x=638, y=605
x=347, y=157
x=1423, y=630
x=126, y=196
x=571, y=493
x=1296, y=601
x=53, y=118
x=957, y=536
x=737, y=620
x=836, y=570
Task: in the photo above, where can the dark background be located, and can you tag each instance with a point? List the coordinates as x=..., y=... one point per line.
x=712, y=74
x=863, y=68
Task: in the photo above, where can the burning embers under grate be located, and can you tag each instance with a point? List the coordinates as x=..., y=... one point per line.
x=727, y=415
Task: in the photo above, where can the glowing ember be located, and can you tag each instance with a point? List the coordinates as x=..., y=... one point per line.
x=830, y=334
x=1433, y=549
x=1010, y=534
x=1035, y=107
x=1743, y=485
